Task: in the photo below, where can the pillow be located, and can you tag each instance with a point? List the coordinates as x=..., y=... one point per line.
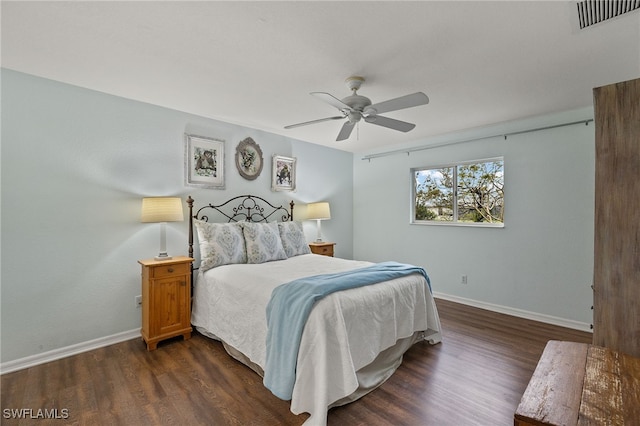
x=263, y=242
x=220, y=244
x=293, y=239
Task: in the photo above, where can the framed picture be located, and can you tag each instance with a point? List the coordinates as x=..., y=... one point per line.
x=249, y=159
x=204, y=162
x=283, y=177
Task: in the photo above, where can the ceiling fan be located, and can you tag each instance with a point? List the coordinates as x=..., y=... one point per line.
x=356, y=107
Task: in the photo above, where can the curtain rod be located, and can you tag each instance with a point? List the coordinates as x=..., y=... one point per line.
x=505, y=135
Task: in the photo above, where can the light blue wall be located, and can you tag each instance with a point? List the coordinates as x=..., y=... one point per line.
x=75, y=165
x=540, y=262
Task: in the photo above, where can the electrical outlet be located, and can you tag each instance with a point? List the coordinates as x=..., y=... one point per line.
x=138, y=300
x=463, y=279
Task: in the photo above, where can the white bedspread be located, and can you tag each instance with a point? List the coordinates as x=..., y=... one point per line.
x=344, y=333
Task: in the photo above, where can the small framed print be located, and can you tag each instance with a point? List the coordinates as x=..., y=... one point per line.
x=204, y=162
x=249, y=160
x=284, y=174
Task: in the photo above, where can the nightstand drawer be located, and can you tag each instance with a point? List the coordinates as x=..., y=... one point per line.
x=169, y=270
x=323, y=248
x=326, y=250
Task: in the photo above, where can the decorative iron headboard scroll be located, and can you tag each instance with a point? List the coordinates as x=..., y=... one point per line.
x=248, y=208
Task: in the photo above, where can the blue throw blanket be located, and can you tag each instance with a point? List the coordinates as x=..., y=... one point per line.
x=289, y=308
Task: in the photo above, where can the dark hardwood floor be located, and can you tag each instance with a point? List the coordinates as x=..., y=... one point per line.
x=476, y=376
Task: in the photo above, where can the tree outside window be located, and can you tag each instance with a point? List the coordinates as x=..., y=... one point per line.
x=467, y=193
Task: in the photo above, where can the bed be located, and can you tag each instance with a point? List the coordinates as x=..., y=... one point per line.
x=351, y=338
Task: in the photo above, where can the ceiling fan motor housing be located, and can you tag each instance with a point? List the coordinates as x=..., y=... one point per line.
x=357, y=102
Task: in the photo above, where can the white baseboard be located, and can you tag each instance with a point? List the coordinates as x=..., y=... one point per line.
x=32, y=360
x=549, y=319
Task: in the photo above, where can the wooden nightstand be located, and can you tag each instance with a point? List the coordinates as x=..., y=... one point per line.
x=166, y=299
x=324, y=248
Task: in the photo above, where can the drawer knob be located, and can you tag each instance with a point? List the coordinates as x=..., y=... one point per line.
x=170, y=269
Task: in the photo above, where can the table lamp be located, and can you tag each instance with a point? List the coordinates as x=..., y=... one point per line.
x=319, y=212
x=162, y=210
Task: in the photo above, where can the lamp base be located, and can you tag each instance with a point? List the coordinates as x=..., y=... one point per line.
x=162, y=254
x=319, y=226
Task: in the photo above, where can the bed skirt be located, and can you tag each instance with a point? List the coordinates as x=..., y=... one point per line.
x=369, y=377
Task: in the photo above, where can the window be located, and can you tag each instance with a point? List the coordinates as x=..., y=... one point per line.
x=469, y=193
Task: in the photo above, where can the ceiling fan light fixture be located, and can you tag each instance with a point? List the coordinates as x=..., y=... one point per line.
x=354, y=116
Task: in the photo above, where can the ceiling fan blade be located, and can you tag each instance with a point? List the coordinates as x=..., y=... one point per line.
x=391, y=123
x=407, y=101
x=346, y=130
x=331, y=100
x=291, y=126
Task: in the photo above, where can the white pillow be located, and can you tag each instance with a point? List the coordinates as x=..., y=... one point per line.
x=220, y=244
x=263, y=242
x=293, y=239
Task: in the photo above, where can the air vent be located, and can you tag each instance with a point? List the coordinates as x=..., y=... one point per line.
x=591, y=12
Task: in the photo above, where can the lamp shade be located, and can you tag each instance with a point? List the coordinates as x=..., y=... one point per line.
x=162, y=209
x=319, y=211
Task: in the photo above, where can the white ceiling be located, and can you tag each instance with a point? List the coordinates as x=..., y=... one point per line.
x=254, y=63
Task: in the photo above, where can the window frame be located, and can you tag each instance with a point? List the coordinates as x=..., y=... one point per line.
x=455, y=222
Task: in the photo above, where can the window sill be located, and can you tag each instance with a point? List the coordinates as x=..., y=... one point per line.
x=462, y=224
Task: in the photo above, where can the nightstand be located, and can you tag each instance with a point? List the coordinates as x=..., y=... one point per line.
x=166, y=299
x=323, y=248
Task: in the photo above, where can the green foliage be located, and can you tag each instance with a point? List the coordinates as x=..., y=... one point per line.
x=423, y=213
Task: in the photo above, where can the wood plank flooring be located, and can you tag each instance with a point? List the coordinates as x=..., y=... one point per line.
x=476, y=376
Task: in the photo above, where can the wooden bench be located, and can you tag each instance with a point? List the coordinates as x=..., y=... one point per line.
x=581, y=384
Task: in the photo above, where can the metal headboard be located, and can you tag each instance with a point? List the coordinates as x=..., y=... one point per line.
x=248, y=208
